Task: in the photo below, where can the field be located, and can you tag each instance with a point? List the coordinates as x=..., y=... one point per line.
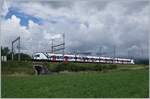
x=131, y=83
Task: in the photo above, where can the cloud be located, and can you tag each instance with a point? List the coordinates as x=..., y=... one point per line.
x=11, y=29
x=88, y=25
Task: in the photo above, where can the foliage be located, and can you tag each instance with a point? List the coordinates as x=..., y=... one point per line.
x=5, y=51
x=26, y=67
x=75, y=67
x=142, y=61
x=22, y=56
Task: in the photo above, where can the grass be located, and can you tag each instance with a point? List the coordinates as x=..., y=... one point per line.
x=15, y=67
x=114, y=84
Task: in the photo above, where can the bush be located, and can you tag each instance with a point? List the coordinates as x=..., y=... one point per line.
x=68, y=67
x=113, y=66
x=76, y=67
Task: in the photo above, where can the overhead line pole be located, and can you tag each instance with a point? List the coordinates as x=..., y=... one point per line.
x=52, y=48
x=129, y=54
x=19, y=50
x=17, y=39
x=12, y=55
x=142, y=53
x=63, y=45
x=100, y=50
x=114, y=53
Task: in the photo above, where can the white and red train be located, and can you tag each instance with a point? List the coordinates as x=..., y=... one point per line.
x=80, y=58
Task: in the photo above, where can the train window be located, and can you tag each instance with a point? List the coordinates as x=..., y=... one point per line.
x=61, y=57
x=53, y=56
x=37, y=55
x=78, y=57
x=57, y=57
x=75, y=57
x=65, y=56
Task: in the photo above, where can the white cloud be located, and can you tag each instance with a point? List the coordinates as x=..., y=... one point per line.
x=11, y=29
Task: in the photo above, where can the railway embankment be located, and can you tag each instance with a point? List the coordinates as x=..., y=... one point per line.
x=27, y=67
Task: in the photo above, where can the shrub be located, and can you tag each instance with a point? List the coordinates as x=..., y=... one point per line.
x=97, y=67
x=112, y=66
x=76, y=67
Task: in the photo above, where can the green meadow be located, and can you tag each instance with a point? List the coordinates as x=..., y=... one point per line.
x=132, y=83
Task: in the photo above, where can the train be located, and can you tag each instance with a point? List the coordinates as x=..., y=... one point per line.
x=79, y=58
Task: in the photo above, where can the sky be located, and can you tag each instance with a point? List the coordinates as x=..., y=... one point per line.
x=89, y=26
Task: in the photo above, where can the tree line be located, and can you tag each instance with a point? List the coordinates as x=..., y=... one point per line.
x=5, y=51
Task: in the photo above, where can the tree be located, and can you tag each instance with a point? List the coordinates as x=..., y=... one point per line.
x=23, y=56
x=5, y=51
x=142, y=61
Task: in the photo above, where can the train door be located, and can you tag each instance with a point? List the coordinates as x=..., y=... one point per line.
x=75, y=58
x=53, y=58
x=65, y=58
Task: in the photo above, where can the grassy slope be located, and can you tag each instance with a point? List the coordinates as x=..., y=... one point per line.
x=132, y=83
x=12, y=67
